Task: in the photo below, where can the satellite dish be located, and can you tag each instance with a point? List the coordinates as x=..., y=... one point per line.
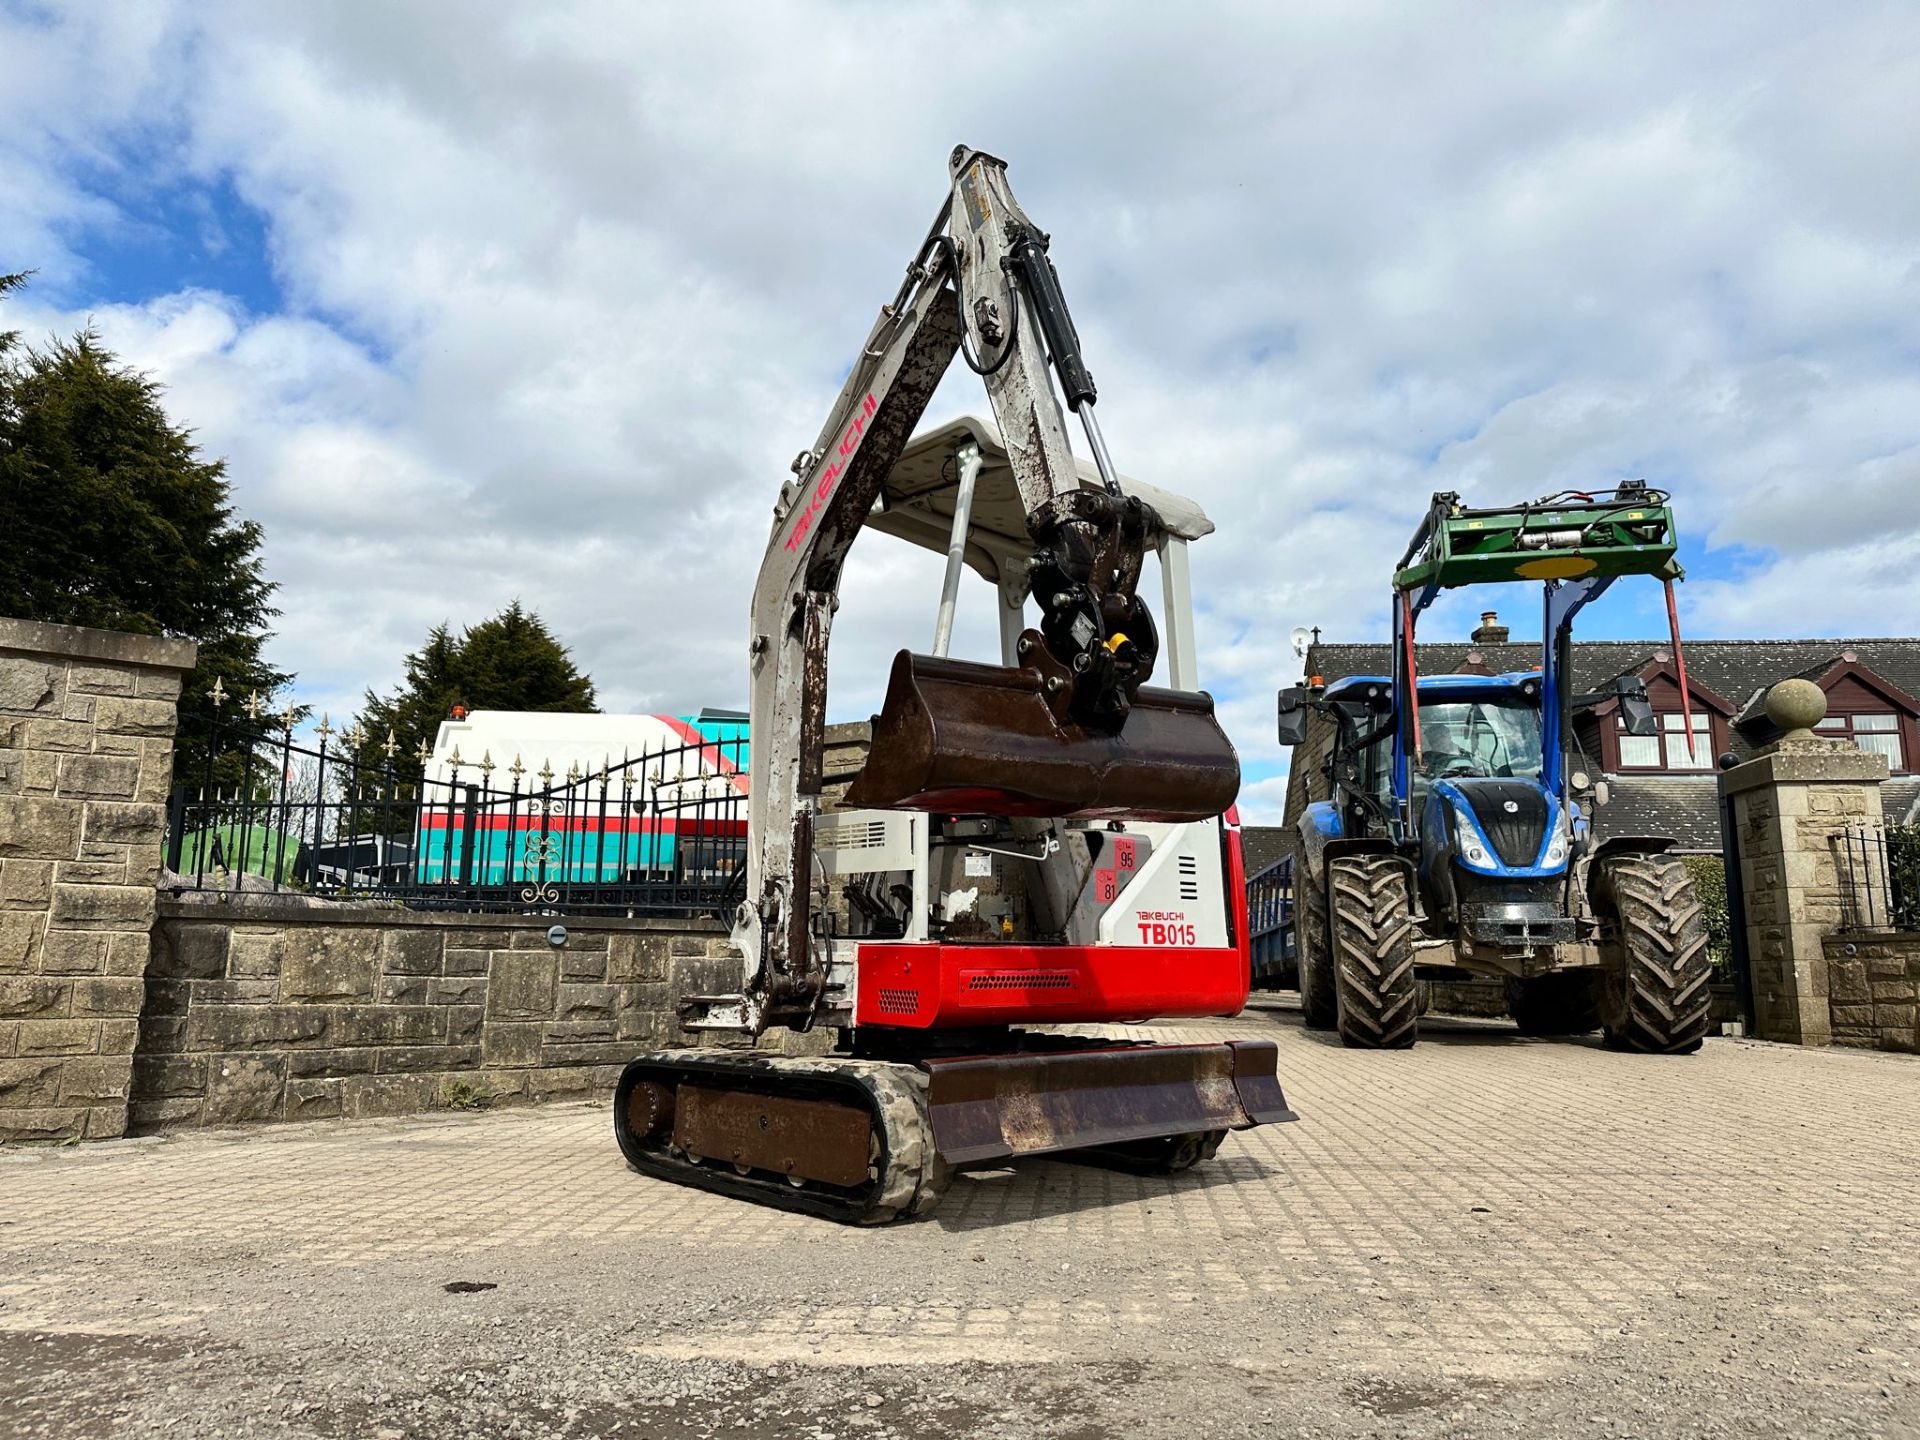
x=1300, y=637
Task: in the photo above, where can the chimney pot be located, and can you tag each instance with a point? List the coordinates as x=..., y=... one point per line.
x=1491, y=631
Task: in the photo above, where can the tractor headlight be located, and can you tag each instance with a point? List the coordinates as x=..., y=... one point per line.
x=1472, y=853
x=1560, y=843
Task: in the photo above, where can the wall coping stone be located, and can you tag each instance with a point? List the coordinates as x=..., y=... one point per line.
x=260, y=910
x=1895, y=939
x=1805, y=762
x=79, y=642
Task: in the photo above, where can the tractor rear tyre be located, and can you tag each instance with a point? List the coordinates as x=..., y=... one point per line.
x=1566, y=1002
x=1312, y=951
x=1655, y=996
x=1373, y=952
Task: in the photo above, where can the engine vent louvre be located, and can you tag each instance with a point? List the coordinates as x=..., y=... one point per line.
x=851, y=835
x=1021, y=980
x=1189, y=877
x=899, y=1002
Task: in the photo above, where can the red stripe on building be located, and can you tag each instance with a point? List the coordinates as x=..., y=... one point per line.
x=709, y=751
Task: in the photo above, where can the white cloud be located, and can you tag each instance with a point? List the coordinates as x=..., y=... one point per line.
x=1264, y=802
x=564, y=291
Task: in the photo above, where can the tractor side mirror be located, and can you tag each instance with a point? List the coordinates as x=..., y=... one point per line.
x=1590, y=792
x=1294, y=714
x=1636, y=711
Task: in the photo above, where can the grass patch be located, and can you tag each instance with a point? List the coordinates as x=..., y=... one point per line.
x=459, y=1095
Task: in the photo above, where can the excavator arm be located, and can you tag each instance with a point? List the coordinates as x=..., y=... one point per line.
x=981, y=283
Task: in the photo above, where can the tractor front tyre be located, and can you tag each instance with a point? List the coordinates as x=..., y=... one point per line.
x=1655, y=996
x=1372, y=909
x=1312, y=952
x=1566, y=1002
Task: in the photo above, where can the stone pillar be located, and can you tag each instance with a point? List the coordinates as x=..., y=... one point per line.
x=86, y=759
x=1790, y=801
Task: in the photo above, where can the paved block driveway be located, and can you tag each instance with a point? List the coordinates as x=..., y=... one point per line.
x=1483, y=1235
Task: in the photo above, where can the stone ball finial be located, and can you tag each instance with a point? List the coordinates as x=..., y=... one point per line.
x=1796, y=705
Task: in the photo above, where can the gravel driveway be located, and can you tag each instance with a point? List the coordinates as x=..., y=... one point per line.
x=1483, y=1235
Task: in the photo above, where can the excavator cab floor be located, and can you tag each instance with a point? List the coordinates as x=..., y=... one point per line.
x=971, y=739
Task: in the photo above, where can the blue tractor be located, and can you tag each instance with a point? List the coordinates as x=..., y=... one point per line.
x=1458, y=838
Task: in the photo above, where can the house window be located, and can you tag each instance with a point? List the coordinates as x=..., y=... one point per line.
x=1668, y=749
x=1875, y=734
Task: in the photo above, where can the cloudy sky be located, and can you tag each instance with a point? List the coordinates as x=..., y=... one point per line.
x=486, y=302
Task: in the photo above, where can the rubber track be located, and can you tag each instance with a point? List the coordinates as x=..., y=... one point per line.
x=1310, y=936
x=1657, y=989
x=1565, y=1002
x=1373, y=952
x=913, y=1177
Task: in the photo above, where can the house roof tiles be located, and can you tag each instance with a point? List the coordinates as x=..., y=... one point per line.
x=1683, y=808
x=1737, y=669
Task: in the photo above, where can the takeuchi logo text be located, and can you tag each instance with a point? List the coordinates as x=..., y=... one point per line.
x=823, y=488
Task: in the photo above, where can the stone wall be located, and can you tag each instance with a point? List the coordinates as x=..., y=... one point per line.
x=258, y=1011
x=1873, y=989
x=1789, y=802
x=86, y=757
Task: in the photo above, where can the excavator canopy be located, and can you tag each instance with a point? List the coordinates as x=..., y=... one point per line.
x=982, y=739
x=917, y=499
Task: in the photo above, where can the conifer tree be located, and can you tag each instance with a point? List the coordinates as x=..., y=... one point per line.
x=509, y=662
x=113, y=518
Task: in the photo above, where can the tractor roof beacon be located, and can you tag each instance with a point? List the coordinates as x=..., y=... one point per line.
x=1456, y=837
x=1046, y=839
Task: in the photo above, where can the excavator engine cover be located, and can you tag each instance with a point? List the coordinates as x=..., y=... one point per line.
x=974, y=739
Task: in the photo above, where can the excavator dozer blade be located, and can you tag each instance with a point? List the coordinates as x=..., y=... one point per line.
x=974, y=739
x=1111, y=1101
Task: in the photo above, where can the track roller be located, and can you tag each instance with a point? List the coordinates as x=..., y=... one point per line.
x=848, y=1139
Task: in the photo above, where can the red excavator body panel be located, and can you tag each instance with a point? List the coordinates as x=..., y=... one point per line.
x=927, y=985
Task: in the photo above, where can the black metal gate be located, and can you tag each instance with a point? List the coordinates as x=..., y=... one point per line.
x=659, y=834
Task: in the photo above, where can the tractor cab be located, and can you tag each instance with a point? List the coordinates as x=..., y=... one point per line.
x=1493, y=840
x=1481, y=816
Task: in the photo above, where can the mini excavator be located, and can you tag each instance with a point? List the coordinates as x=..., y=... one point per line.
x=1047, y=841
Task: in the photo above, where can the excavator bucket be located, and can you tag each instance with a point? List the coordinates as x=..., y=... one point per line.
x=974, y=739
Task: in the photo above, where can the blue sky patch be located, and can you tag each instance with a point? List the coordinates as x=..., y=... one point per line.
x=175, y=237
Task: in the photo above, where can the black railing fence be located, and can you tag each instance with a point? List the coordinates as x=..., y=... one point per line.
x=1879, y=873
x=1270, y=923
x=662, y=833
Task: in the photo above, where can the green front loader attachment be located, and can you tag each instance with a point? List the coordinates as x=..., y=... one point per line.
x=1568, y=536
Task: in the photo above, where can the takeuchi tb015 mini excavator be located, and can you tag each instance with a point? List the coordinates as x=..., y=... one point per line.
x=1042, y=841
